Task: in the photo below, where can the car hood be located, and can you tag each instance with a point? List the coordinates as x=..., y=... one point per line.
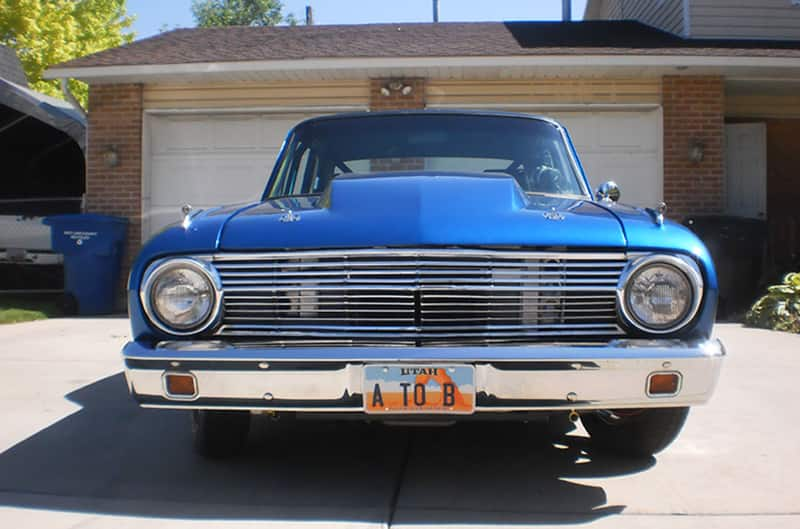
x=421, y=210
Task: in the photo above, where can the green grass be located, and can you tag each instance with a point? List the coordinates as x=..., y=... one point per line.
x=17, y=308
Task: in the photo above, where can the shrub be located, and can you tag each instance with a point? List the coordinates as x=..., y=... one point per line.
x=779, y=309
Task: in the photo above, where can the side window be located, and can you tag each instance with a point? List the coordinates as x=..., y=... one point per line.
x=301, y=172
x=297, y=174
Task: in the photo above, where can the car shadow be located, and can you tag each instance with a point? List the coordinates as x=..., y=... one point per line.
x=111, y=457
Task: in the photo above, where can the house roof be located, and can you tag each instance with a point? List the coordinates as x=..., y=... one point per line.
x=451, y=39
x=10, y=67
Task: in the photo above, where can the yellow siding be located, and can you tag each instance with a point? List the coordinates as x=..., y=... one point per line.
x=544, y=91
x=755, y=106
x=252, y=94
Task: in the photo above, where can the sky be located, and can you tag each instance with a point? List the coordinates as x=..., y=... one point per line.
x=153, y=15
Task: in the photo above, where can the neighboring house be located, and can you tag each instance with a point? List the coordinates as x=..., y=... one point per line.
x=41, y=148
x=198, y=115
x=726, y=19
x=762, y=161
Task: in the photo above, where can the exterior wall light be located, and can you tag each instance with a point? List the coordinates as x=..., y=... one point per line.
x=111, y=156
x=396, y=86
x=696, y=151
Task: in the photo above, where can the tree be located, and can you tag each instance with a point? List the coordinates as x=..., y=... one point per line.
x=47, y=32
x=210, y=13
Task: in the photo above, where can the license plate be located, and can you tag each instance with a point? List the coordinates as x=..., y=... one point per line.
x=401, y=388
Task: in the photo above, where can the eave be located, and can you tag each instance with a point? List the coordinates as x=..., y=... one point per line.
x=651, y=64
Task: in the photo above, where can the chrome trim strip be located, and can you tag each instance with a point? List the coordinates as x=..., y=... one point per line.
x=353, y=283
x=218, y=350
x=421, y=252
x=577, y=167
x=477, y=288
x=367, y=265
x=250, y=408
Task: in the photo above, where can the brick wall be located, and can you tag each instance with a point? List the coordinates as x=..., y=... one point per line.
x=693, y=111
x=115, y=119
x=396, y=100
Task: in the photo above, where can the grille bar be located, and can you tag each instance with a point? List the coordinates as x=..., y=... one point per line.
x=413, y=288
x=422, y=297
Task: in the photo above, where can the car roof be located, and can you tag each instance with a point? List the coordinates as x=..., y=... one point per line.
x=430, y=112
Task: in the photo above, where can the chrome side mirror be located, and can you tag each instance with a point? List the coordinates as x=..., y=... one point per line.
x=608, y=192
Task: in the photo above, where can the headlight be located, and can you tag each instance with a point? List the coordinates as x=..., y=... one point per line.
x=660, y=294
x=181, y=296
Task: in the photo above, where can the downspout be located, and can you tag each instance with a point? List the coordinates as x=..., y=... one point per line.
x=71, y=98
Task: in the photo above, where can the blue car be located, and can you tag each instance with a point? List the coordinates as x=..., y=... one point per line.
x=426, y=267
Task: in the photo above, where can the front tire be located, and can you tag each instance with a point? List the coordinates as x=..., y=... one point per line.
x=219, y=434
x=635, y=433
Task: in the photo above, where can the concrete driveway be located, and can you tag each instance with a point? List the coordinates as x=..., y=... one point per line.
x=76, y=452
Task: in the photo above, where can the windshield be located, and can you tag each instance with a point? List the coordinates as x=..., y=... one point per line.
x=531, y=151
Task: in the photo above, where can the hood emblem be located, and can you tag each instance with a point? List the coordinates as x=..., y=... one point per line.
x=289, y=216
x=553, y=215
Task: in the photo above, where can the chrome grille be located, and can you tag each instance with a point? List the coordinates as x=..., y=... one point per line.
x=419, y=297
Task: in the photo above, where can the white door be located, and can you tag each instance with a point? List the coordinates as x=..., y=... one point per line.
x=746, y=169
x=207, y=160
x=623, y=146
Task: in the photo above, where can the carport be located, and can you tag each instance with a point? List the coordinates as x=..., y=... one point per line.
x=41, y=145
x=41, y=140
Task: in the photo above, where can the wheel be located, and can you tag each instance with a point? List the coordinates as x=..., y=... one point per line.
x=635, y=433
x=219, y=434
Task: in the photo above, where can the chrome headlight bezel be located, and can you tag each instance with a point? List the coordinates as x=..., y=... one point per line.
x=682, y=264
x=205, y=270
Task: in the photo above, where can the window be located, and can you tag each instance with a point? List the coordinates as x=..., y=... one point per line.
x=530, y=150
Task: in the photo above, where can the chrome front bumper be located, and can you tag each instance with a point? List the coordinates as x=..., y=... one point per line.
x=507, y=378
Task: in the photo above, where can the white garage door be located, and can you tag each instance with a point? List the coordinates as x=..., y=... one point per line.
x=207, y=160
x=623, y=146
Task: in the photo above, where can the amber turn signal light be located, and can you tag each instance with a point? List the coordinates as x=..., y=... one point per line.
x=661, y=384
x=180, y=384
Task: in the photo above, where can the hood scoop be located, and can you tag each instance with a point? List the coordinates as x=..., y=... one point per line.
x=422, y=210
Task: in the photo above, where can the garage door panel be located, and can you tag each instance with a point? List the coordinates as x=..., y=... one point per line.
x=207, y=160
x=619, y=145
x=275, y=129
x=171, y=136
x=237, y=135
x=626, y=132
x=206, y=179
x=579, y=127
x=636, y=174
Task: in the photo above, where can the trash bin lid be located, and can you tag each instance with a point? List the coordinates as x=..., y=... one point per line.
x=89, y=218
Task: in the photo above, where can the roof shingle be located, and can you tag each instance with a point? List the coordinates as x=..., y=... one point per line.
x=451, y=39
